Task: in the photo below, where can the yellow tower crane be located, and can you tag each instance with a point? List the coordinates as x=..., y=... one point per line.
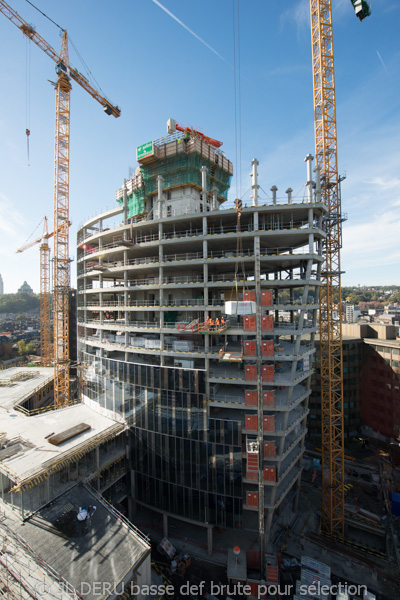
x=46, y=348
x=330, y=291
x=61, y=193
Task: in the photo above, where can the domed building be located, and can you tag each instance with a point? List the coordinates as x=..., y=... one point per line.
x=25, y=289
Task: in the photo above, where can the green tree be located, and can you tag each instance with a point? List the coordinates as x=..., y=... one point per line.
x=24, y=348
x=18, y=303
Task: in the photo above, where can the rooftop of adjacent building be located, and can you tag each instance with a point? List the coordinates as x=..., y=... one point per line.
x=26, y=451
x=101, y=549
x=377, y=331
x=18, y=383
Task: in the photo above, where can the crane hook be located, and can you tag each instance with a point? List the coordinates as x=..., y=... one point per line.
x=28, y=133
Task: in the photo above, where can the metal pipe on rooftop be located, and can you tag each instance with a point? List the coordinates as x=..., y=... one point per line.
x=255, y=186
x=308, y=159
x=274, y=189
x=317, y=172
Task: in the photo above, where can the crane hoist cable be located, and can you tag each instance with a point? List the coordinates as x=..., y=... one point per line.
x=28, y=93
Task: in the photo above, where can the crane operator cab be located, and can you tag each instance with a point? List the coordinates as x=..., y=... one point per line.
x=62, y=68
x=361, y=8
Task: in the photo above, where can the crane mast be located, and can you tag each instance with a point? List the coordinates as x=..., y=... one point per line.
x=61, y=193
x=330, y=291
x=61, y=232
x=46, y=348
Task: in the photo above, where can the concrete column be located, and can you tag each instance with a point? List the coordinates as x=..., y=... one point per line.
x=289, y=193
x=255, y=187
x=204, y=172
x=297, y=496
x=308, y=159
x=98, y=467
x=209, y=541
x=268, y=526
x=160, y=199
x=204, y=225
x=273, y=494
x=214, y=191
x=310, y=235
x=125, y=202
x=165, y=525
x=274, y=189
x=255, y=221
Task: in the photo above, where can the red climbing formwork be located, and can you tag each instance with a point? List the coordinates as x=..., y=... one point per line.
x=266, y=298
x=268, y=348
x=268, y=373
x=269, y=399
x=267, y=323
x=269, y=449
x=251, y=397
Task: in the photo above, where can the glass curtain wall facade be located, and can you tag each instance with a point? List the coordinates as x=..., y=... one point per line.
x=197, y=328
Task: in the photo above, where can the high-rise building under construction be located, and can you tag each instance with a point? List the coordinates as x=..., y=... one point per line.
x=196, y=323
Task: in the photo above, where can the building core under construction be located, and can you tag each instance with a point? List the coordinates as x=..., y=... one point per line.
x=196, y=323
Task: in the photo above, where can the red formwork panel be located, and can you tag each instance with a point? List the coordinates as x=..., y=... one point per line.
x=249, y=296
x=250, y=348
x=251, y=397
x=269, y=474
x=266, y=298
x=268, y=423
x=269, y=399
x=267, y=323
x=252, y=498
x=249, y=323
x=269, y=449
x=251, y=422
x=267, y=373
x=252, y=475
x=250, y=372
x=267, y=348
x=252, y=461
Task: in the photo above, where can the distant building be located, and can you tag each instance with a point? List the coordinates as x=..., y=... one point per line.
x=1, y=286
x=380, y=387
x=352, y=313
x=25, y=289
x=379, y=378
x=352, y=347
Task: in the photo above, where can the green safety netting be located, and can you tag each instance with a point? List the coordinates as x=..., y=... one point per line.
x=177, y=170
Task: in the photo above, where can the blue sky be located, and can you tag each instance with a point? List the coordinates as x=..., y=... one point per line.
x=154, y=68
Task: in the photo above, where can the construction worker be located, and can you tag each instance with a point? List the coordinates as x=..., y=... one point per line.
x=222, y=321
x=217, y=323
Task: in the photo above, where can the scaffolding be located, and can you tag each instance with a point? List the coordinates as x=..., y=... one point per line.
x=20, y=376
x=178, y=160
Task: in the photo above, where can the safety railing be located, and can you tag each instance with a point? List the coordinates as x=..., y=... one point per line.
x=143, y=537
